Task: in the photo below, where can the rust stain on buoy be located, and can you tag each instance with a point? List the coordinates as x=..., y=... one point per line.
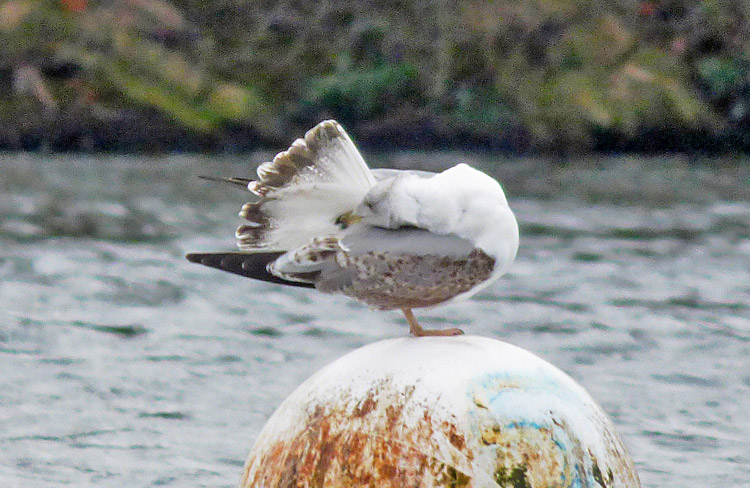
x=355, y=443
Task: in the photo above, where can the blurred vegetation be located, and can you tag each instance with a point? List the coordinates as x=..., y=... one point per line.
x=538, y=75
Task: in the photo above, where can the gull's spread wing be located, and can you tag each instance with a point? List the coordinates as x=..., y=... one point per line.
x=304, y=190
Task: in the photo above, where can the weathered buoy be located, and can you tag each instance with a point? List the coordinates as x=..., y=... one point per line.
x=439, y=411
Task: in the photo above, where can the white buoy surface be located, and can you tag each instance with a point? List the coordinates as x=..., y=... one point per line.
x=439, y=411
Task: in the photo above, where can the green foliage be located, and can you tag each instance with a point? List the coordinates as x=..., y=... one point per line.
x=477, y=111
x=559, y=72
x=722, y=75
x=365, y=92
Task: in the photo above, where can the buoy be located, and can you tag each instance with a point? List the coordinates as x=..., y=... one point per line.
x=439, y=412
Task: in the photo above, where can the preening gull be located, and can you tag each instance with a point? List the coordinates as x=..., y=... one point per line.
x=389, y=238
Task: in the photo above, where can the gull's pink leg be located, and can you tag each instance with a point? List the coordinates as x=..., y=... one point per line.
x=418, y=331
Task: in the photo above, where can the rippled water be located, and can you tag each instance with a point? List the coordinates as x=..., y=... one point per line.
x=124, y=365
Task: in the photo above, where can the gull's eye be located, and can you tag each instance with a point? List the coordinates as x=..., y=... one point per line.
x=342, y=221
x=347, y=219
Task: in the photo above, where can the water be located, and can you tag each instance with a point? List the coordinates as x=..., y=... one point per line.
x=124, y=365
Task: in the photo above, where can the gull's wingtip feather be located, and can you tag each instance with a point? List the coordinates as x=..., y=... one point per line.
x=249, y=265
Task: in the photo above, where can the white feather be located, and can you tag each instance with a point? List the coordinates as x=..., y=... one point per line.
x=333, y=180
x=297, y=214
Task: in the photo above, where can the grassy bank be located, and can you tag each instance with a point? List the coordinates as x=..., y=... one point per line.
x=541, y=75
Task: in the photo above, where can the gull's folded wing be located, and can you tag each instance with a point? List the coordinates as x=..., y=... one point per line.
x=317, y=262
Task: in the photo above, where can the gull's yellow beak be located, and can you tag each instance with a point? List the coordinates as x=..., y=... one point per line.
x=347, y=219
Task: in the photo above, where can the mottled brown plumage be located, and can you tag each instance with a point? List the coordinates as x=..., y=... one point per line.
x=387, y=281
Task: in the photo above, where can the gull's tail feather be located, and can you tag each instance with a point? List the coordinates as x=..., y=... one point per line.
x=304, y=190
x=249, y=265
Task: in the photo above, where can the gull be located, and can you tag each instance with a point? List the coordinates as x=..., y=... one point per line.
x=393, y=239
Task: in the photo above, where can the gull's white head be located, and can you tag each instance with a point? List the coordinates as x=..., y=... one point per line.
x=460, y=201
x=387, y=205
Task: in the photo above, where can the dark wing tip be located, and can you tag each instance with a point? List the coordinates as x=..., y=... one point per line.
x=194, y=257
x=249, y=265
